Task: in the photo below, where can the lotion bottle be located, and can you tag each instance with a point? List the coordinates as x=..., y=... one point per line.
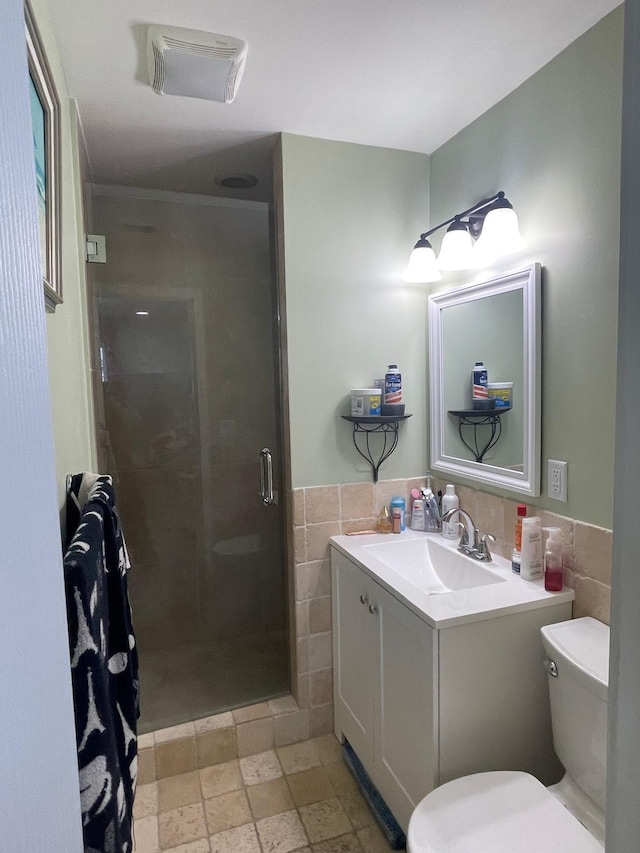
x=516, y=557
x=531, y=565
x=450, y=501
x=417, y=511
x=553, y=573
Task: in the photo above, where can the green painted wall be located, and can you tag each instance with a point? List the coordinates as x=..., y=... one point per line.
x=553, y=146
x=351, y=215
x=68, y=327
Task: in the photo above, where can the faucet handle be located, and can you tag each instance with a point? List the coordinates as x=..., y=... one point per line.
x=484, y=553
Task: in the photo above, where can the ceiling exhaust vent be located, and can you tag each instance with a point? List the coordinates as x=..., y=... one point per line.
x=194, y=64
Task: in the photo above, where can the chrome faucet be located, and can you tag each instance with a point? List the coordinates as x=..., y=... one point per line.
x=469, y=539
x=484, y=554
x=471, y=542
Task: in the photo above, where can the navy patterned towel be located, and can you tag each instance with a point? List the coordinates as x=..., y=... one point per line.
x=104, y=664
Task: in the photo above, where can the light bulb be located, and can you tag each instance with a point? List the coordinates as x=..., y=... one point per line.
x=456, y=249
x=500, y=235
x=422, y=265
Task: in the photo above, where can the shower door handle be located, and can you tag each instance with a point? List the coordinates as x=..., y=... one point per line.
x=266, y=477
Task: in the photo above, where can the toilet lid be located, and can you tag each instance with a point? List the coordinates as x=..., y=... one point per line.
x=500, y=812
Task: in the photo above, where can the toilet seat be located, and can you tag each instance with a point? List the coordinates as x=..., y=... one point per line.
x=498, y=812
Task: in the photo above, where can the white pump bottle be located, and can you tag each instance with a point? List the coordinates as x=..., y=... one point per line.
x=531, y=567
x=450, y=501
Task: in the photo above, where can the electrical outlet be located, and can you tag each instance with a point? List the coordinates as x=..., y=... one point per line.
x=557, y=480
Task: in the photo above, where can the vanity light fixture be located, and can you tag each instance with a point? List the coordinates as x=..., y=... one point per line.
x=492, y=222
x=456, y=249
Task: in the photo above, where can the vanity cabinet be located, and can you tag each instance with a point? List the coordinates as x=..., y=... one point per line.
x=422, y=705
x=384, y=676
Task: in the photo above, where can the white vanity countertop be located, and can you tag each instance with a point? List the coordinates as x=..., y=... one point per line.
x=443, y=610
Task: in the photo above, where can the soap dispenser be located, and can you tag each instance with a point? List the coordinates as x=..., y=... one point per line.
x=553, y=573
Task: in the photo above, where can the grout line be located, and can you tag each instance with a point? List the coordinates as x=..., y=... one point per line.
x=340, y=796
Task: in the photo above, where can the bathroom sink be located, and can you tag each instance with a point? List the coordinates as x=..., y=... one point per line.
x=432, y=566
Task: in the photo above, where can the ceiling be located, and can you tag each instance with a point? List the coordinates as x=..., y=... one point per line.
x=405, y=74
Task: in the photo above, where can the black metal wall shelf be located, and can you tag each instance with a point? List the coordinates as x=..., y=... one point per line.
x=381, y=425
x=475, y=418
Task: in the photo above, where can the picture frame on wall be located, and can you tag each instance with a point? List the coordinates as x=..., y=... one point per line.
x=45, y=119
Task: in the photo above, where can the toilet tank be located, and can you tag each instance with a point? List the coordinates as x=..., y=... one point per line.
x=579, y=649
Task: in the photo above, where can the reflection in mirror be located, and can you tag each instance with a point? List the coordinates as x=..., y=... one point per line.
x=487, y=329
x=497, y=322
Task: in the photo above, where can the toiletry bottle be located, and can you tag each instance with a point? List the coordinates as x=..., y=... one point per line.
x=521, y=513
x=417, y=511
x=384, y=524
x=531, y=562
x=516, y=560
x=553, y=573
x=515, y=554
x=450, y=501
x=401, y=504
x=479, y=381
x=397, y=519
x=392, y=385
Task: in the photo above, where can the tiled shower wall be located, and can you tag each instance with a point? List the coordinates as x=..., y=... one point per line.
x=324, y=511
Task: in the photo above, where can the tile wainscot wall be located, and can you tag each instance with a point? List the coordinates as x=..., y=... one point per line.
x=324, y=511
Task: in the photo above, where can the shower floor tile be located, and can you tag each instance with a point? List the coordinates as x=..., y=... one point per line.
x=331, y=817
x=199, y=680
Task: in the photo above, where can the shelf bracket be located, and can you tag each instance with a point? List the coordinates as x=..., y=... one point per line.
x=385, y=428
x=476, y=419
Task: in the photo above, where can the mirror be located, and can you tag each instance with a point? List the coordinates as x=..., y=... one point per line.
x=498, y=322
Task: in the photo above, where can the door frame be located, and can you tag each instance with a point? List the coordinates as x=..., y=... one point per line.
x=40, y=795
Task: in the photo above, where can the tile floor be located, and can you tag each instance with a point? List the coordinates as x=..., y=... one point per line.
x=300, y=797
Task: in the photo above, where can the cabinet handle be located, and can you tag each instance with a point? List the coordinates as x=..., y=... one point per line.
x=373, y=609
x=364, y=599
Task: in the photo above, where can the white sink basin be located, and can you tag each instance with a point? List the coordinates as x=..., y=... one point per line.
x=432, y=566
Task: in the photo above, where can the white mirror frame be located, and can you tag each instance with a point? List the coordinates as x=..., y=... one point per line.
x=527, y=481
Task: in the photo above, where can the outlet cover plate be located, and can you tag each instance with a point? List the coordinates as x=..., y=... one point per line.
x=557, y=480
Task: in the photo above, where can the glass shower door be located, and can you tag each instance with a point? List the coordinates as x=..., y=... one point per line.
x=189, y=400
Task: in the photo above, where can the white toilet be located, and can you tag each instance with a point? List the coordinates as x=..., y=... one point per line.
x=511, y=811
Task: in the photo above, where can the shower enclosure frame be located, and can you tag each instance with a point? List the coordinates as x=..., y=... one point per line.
x=282, y=473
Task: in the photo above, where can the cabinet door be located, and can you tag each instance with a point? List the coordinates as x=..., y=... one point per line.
x=405, y=759
x=353, y=654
